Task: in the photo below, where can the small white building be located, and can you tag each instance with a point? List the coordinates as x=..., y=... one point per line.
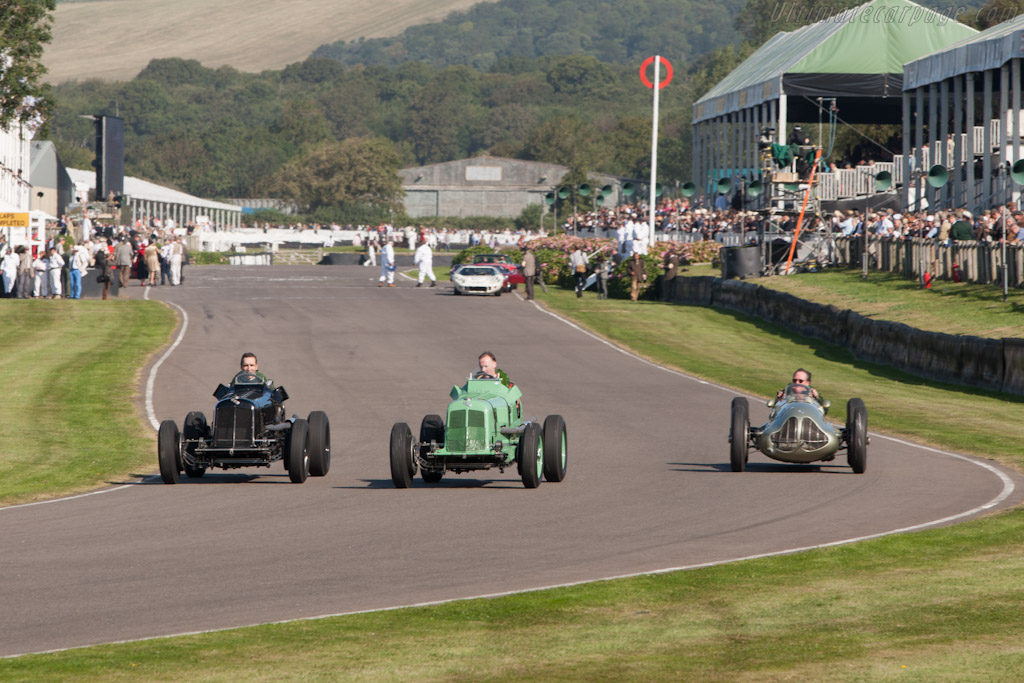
x=151, y=201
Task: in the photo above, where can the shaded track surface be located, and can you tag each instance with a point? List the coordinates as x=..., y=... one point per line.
x=648, y=484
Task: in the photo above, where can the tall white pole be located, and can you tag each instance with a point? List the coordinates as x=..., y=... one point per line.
x=651, y=206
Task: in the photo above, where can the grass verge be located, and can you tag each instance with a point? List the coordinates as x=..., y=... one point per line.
x=70, y=372
x=944, y=604
x=950, y=307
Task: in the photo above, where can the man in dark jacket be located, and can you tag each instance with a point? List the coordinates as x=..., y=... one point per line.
x=637, y=274
x=529, y=271
x=671, y=266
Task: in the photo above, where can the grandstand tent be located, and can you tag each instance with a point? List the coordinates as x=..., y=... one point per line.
x=856, y=56
x=975, y=137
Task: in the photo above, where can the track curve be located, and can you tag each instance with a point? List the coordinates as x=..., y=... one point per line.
x=648, y=484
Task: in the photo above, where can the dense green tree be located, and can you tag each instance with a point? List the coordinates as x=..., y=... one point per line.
x=489, y=33
x=993, y=12
x=354, y=171
x=24, y=30
x=302, y=122
x=566, y=140
x=578, y=75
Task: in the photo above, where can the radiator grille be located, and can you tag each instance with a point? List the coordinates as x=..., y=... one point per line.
x=797, y=432
x=466, y=431
x=234, y=425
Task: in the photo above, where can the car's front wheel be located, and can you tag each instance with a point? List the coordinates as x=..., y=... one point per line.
x=168, y=445
x=319, y=443
x=857, y=435
x=403, y=460
x=555, y=448
x=739, y=434
x=531, y=456
x=298, y=451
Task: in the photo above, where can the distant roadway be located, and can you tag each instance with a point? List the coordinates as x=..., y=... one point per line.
x=648, y=485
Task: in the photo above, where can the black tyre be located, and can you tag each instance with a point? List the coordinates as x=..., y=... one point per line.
x=297, y=446
x=431, y=476
x=739, y=434
x=531, y=456
x=857, y=435
x=555, y=448
x=498, y=293
x=431, y=429
x=403, y=460
x=195, y=427
x=319, y=443
x=168, y=449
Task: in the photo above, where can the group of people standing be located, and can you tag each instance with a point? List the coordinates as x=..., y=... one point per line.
x=57, y=269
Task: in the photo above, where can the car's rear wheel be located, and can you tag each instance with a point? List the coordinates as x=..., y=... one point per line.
x=168, y=449
x=195, y=427
x=298, y=451
x=739, y=434
x=555, y=448
x=319, y=443
x=857, y=435
x=403, y=462
x=531, y=456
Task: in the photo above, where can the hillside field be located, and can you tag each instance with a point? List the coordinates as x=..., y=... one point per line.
x=115, y=39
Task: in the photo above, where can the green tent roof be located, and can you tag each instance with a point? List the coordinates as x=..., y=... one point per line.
x=857, y=53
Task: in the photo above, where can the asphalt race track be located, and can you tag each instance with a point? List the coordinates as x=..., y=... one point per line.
x=648, y=485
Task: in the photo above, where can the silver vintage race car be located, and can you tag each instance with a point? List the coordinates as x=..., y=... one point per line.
x=798, y=432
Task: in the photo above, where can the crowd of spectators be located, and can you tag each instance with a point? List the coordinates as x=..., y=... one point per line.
x=55, y=267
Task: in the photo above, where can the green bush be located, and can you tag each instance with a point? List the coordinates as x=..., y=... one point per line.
x=208, y=258
x=619, y=284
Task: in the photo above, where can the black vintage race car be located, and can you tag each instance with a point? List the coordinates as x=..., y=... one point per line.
x=249, y=430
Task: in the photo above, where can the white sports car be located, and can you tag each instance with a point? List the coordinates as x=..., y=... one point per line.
x=473, y=279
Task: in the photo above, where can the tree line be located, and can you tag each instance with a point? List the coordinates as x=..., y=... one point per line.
x=330, y=135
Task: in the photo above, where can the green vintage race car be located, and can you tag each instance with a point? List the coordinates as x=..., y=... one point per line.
x=484, y=429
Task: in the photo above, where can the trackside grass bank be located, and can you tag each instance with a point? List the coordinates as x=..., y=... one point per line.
x=945, y=604
x=70, y=377
x=949, y=307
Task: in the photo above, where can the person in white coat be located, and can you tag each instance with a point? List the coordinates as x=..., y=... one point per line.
x=9, y=267
x=40, y=266
x=175, y=258
x=424, y=258
x=54, y=265
x=371, y=253
x=641, y=235
x=387, y=264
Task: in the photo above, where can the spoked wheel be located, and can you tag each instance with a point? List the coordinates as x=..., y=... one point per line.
x=555, y=448
x=403, y=460
x=531, y=456
x=431, y=429
x=168, y=450
x=319, y=444
x=298, y=451
x=739, y=434
x=195, y=428
x=857, y=435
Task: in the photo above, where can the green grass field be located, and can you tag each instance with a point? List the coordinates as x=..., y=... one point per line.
x=944, y=604
x=950, y=307
x=72, y=410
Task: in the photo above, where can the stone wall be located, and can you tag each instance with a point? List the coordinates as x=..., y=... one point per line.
x=992, y=364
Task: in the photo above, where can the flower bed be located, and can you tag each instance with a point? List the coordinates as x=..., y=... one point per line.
x=552, y=254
